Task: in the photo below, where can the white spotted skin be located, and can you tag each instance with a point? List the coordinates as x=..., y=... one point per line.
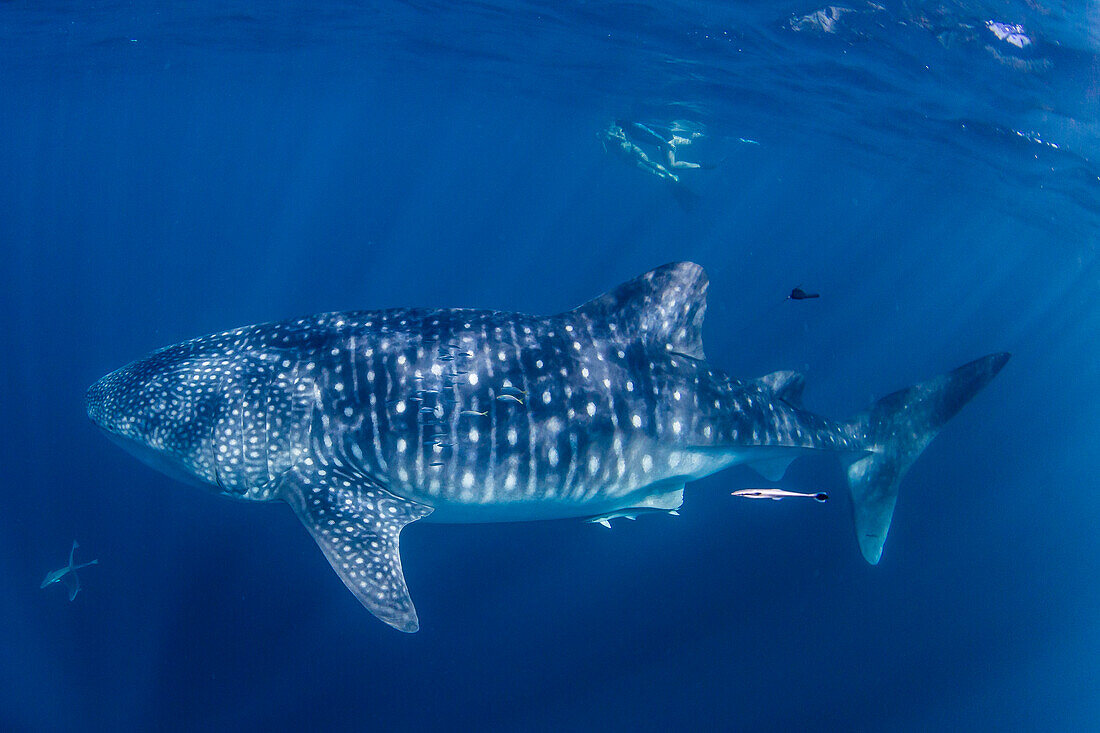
x=479, y=415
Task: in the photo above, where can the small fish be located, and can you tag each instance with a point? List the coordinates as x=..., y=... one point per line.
x=426, y=410
x=474, y=412
x=68, y=574
x=428, y=391
x=436, y=464
x=777, y=494
x=509, y=398
x=800, y=294
x=509, y=389
x=605, y=519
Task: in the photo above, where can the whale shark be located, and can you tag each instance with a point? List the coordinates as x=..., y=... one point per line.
x=366, y=421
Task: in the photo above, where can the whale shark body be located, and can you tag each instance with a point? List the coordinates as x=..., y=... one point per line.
x=367, y=421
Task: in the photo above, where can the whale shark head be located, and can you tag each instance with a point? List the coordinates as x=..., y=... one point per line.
x=162, y=409
x=218, y=411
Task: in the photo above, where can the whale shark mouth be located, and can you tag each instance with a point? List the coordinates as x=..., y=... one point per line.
x=156, y=458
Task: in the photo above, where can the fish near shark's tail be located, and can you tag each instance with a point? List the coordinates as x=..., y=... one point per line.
x=896, y=430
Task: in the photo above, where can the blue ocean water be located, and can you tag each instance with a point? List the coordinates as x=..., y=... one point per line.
x=931, y=168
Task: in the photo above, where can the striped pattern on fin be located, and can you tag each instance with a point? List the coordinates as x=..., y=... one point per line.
x=358, y=527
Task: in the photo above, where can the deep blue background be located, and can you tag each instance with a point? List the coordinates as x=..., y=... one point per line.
x=168, y=171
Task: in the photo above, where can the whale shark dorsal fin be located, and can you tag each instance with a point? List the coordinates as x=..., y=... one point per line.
x=359, y=530
x=666, y=306
x=786, y=385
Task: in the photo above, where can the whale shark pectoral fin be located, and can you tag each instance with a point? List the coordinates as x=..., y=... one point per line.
x=359, y=530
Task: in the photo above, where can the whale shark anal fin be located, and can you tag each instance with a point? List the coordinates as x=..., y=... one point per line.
x=358, y=527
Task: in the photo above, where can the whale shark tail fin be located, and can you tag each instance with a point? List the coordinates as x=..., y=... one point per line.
x=896, y=429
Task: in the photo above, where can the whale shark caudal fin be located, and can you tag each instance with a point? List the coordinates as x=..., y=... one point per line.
x=358, y=527
x=665, y=306
x=896, y=429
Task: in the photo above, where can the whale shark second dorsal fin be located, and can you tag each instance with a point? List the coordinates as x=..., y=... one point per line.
x=665, y=306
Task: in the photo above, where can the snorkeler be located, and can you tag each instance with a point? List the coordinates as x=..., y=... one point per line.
x=682, y=133
x=665, y=141
x=615, y=139
x=652, y=147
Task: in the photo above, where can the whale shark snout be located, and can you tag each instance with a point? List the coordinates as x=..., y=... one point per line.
x=97, y=401
x=153, y=409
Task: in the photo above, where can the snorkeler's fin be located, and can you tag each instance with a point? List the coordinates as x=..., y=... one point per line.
x=896, y=429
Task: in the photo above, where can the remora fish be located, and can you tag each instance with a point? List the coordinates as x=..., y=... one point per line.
x=621, y=411
x=777, y=494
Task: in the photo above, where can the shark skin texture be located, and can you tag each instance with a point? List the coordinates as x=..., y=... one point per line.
x=366, y=421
